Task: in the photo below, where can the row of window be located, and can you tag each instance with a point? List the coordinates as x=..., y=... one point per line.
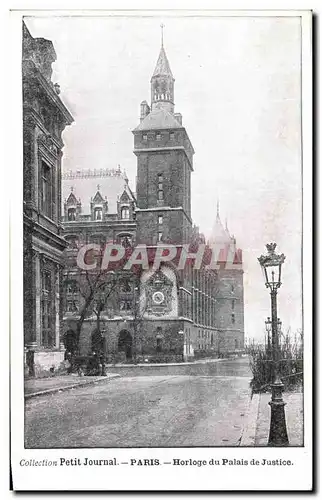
x=97, y=214
x=124, y=240
x=160, y=227
x=160, y=187
x=157, y=136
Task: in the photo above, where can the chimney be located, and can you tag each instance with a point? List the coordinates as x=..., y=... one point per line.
x=178, y=117
x=144, y=110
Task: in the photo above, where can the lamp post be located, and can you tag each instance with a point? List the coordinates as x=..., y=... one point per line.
x=272, y=268
x=268, y=328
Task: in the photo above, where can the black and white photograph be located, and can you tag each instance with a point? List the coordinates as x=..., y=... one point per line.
x=163, y=220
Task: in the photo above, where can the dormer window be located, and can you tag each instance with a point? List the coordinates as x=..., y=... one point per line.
x=98, y=213
x=145, y=137
x=171, y=136
x=125, y=213
x=71, y=214
x=158, y=136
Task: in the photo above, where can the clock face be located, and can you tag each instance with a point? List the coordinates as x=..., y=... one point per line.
x=158, y=298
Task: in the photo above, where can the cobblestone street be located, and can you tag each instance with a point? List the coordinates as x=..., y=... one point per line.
x=206, y=408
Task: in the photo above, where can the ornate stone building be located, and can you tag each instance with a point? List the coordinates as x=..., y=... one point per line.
x=44, y=118
x=163, y=310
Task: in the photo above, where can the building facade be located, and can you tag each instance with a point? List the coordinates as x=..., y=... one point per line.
x=44, y=118
x=159, y=311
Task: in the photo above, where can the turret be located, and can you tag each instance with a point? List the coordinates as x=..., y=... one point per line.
x=162, y=84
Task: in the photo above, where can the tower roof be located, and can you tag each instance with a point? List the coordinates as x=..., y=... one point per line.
x=159, y=118
x=163, y=66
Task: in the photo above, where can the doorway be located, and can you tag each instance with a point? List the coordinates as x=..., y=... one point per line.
x=125, y=343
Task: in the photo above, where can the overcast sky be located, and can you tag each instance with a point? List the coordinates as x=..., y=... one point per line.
x=237, y=85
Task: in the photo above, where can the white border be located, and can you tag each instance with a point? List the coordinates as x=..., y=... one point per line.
x=297, y=477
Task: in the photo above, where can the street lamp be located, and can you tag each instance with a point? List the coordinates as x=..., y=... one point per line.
x=272, y=269
x=268, y=328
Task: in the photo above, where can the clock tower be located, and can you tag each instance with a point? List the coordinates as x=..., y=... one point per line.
x=164, y=165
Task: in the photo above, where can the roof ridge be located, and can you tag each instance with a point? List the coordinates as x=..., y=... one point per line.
x=92, y=173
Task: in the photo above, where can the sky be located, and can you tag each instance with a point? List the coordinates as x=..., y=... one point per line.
x=238, y=87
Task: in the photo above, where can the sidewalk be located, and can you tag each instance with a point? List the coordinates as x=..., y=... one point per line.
x=293, y=414
x=41, y=386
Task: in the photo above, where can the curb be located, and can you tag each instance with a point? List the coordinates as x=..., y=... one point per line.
x=249, y=434
x=72, y=386
x=185, y=363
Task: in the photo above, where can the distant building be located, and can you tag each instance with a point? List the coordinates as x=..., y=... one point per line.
x=180, y=311
x=44, y=119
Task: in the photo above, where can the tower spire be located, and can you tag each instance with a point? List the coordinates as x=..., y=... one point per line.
x=162, y=82
x=218, y=216
x=161, y=26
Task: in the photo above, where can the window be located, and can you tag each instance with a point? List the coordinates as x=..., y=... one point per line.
x=232, y=288
x=71, y=214
x=98, y=213
x=125, y=213
x=171, y=136
x=126, y=241
x=72, y=286
x=72, y=306
x=158, y=136
x=159, y=345
x=233, y=304
x=46, y=201
x=160, y=219
x=159, y=236
x=72, y=241
x=145, y=137
x=125, y=305
x=160, y=187
x=233, y=318
x=48, y=322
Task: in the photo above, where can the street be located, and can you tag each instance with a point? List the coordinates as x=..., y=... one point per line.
x=207, y=407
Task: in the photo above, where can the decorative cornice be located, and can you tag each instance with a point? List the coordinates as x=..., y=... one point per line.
x=47, y=141
x=50, y=91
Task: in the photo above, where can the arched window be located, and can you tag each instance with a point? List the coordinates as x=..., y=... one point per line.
x=98, y=213
x=125, y=213
x=71, y=214
x=125, y=240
